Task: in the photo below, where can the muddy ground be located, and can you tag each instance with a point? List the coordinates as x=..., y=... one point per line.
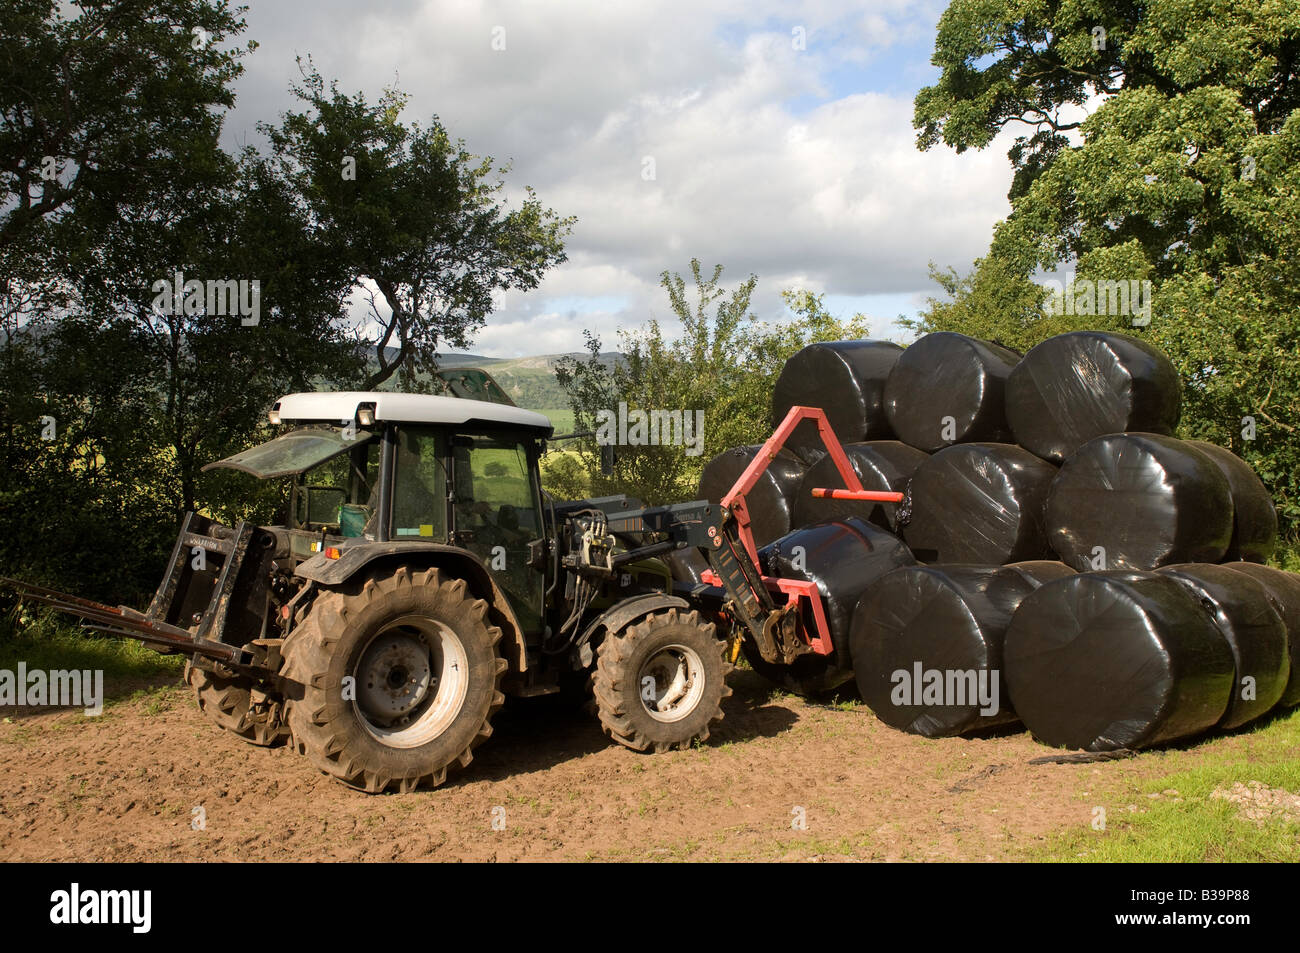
x=125, y=787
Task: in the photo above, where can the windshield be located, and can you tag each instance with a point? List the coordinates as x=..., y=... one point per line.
x=296, y=451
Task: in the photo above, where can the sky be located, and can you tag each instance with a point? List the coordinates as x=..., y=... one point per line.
x=780, y=135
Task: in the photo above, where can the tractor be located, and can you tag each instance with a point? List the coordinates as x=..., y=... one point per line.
x=421, y=574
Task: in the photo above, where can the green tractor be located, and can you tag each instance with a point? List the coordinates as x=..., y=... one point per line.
x=421, y=574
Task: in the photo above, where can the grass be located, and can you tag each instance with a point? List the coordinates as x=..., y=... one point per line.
x=1174, y=819
x=48, y=643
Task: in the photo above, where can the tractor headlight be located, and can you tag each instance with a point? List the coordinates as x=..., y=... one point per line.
x=274, y=414
x=366, y=415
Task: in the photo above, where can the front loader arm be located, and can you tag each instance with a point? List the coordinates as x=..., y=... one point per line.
x=722, y=532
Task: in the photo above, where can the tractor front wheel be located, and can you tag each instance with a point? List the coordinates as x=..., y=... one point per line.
x=660, y=683
x=237, y=706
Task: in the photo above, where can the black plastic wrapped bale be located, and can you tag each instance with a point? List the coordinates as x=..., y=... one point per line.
x=686, y=565
x=771, y=500
x=846, y=379
x=1077, y=386
x=1284, y=591
x=1042, y=570
x=1254, y=518
x=843, y=557
x=879, y=464
x=1254, y=631
x=1139, y=501
x=1106, y=660
x=978, y=503
x=948, y=388
x=927, y=647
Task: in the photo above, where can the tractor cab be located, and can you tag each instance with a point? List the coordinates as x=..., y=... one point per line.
x=412, y=470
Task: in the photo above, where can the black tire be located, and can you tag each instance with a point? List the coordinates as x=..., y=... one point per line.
x=812, y=676
x=228, y=703
x=387, y=734
x=650, y=649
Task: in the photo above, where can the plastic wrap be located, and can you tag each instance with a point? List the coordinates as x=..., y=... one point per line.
x=1254, y=631
x=771, y=501
x=842, y=557
x=879, y=464
x=1042, y=570
x=686, y=565
x=1283, y=590
x=1077, y=386
x=940, y=629
x=846, y=379
x=1146, y=500
x=948, y=388
x=978, y=503
x=1107, y=660
x=1254, y=518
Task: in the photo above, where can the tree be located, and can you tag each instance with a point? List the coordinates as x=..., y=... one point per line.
x=1183, y=175
x=413, y=213
x=1022, y=62
x=721, y=364
x=111, y=403
x=90, y=105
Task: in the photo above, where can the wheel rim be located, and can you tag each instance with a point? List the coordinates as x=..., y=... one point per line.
x=411, y=682
x=671, y=682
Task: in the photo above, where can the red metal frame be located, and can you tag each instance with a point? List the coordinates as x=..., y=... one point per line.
x=736, y=502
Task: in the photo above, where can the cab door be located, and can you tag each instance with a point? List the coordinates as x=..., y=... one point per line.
x=496, y=514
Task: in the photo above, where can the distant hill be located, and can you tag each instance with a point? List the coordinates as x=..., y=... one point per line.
x=530, y=381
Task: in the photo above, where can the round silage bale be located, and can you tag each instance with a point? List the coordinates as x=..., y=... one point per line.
x=948, y=388
x=927, y=647
x=1042, y=570
x=846, y=379
x=1106, y=660
x=771, y=501
x=884, y=465
x=686, y=565
x=1084, y=384
x=1138, y=501
x=842, y=557
x=1283, y=590
x=978, y=503
x=1254, y=631
x=1254, y=518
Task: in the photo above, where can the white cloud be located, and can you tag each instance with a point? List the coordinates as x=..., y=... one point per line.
x=835, y=197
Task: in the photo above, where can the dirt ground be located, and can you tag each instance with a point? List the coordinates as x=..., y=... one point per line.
x=548, y=786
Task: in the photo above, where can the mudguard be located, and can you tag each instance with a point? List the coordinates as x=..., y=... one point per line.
x=356, y=556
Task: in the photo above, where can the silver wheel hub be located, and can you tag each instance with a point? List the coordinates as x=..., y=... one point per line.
x=395, y=675
x=671, y=682
x=412, y=681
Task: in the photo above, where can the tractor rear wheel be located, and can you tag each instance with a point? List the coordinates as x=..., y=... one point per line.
x=235, y=705
x=660, y=683
x=400, y=676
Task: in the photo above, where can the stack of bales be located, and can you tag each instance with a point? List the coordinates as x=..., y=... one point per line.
x=1059, y=543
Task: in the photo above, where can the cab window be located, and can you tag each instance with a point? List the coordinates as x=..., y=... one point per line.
x=420, y=484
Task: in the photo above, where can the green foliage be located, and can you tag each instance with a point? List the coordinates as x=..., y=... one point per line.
x=1184, y=174
x=723, y=362
x=112, y=92
x=414, y=213
x=110, y=401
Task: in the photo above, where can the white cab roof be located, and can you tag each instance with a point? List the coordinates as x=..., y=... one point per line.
x=338, y=406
